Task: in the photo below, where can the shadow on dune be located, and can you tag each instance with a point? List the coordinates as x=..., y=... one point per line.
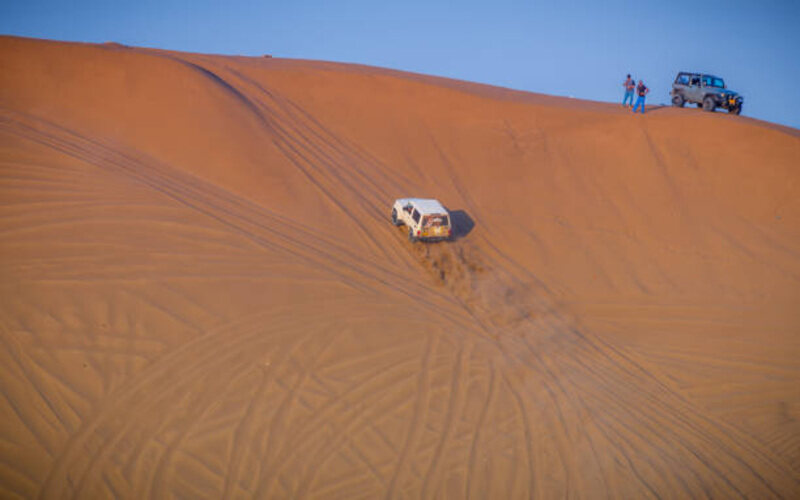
x=650, y=108
x=462, y=223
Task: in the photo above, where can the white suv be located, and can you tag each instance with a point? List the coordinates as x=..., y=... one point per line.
x=427, y=220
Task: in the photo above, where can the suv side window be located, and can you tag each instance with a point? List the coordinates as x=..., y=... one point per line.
x=683, y=79
x=415, y=216
x=695, y=80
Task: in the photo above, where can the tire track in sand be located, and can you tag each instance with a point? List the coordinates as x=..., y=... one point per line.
x=569, y=364
x=253, y=222
x=420, y=410
x=198, y=355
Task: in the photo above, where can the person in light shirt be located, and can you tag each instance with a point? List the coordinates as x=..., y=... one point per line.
x=629, y=85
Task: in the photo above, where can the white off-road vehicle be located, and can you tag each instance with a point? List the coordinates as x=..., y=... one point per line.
x=427, y=220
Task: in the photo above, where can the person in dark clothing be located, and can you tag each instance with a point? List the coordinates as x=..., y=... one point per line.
x=641, y=91
x=629, y=85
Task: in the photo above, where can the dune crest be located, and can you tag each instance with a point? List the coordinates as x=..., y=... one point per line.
x=202, y=294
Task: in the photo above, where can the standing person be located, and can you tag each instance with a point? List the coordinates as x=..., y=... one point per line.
x=629, y=85
x=642, y=91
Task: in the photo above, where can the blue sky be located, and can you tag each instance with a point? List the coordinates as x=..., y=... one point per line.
x=581, y=48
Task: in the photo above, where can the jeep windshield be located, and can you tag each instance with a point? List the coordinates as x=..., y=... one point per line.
x=713, y=81
x=435, y=221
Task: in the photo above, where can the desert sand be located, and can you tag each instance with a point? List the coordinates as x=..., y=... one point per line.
x=201, y=294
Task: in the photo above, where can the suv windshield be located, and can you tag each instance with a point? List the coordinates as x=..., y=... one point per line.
x=713, y=81
x=435, y=221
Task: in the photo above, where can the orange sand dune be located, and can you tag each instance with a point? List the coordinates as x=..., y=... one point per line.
x=202, y=295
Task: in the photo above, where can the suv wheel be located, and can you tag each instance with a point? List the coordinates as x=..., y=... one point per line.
x=677, y=101
x=411, y=237
x=709, y=104
x=736, y=111
x=395, y=221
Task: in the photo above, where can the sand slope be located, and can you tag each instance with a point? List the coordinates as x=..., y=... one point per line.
x=201, y=294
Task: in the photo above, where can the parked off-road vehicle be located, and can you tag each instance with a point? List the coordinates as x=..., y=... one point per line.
x=427, y=220
x=704, y=90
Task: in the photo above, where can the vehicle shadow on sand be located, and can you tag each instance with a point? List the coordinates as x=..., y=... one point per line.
x=462, y=223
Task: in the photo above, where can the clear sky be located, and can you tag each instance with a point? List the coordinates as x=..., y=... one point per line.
x=571, y=48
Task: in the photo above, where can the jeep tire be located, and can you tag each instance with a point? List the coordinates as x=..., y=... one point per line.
x=411, y=237
x=677, y=101
x=395, y=221
x=709, y=104
x=736, y=110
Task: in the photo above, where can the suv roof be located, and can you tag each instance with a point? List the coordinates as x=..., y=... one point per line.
x=697, y=73
x=426, y=206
